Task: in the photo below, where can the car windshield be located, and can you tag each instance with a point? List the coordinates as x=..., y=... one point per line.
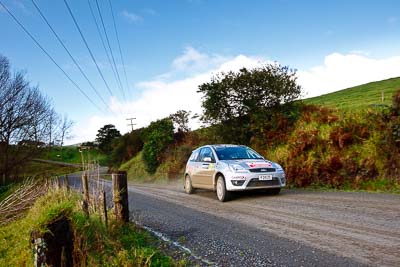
x=236, y=152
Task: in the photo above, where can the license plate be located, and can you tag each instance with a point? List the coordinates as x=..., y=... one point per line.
x=265, y=177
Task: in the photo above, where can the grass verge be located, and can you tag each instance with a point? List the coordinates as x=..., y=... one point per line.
x=72, y=154
x=94, y=244
x=34, y=168
x=359, y=97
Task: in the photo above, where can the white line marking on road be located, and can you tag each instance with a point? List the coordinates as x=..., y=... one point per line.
x=176, y=244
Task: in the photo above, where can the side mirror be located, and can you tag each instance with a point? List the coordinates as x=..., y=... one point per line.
x=207, y=159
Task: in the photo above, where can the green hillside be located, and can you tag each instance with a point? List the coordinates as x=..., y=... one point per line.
x=359, y=96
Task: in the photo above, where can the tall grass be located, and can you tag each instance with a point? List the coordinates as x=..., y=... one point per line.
x=94, y=244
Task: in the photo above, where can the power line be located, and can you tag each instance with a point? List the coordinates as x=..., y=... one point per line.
x=109, y=47
x=70, y=55
x=102, y=39
x=119, y=46
x=88, y=48
x=49, y=56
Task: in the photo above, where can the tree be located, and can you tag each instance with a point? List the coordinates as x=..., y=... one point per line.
x=126, y=147
x=65, y=128
x=26, y=118
x=181, y=120
x=234, y=100
x=157, y=136
x=106, y=136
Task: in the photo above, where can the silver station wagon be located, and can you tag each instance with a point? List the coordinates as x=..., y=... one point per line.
x=228, y=168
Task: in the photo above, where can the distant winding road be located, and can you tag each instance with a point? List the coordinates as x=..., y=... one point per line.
x=295, y=228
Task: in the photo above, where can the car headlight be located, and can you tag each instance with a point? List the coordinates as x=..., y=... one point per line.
x=237, y=168
x=278, y=168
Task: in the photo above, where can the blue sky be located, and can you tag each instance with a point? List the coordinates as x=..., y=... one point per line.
x=169, y=47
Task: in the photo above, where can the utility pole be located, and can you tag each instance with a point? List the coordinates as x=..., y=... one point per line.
x=131, y=124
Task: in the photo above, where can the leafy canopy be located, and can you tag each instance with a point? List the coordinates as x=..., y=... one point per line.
x=236, y=100
x=126, y=147
x=157, y=137
x=236, y=94
x=180, y=120
x=105, y=137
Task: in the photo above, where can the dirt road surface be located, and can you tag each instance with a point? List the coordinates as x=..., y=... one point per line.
x=364, y=227
x=295, y=228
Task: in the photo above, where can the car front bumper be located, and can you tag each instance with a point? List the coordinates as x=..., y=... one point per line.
x=251, y=181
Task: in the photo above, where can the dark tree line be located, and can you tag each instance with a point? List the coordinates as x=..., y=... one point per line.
x=27, y=121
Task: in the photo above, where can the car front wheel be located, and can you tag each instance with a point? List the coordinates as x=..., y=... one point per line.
x=222, y=194
x=188, y=185
x=274, y=191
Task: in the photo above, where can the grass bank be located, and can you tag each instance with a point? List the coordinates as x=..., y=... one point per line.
x=72, y=154
x=359, y=97
x=36, y=169
x=94, y=244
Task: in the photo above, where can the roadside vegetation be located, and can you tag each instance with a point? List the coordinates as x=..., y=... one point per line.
x=28, y=123
x=359, y=97
x=42, y=169
x=74, y=154
x=36, y=170
x=94, y=244
x=348, y=140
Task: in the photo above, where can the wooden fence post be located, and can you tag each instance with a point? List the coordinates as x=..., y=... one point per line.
x=85, y=187
x=105, y=208
x=120, y=196
x=58, y=182
x=85, y=192
x=66, y=181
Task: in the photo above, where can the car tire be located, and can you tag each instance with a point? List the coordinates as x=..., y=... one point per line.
x=274, y=191
x=222, y=194
x=188, y=185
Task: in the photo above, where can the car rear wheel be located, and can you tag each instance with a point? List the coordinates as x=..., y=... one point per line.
x=222, y=194
x=188, y=185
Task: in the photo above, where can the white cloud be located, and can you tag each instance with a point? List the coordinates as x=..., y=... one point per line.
x=190, y=57
x=132, y=17
x=167, y=93
x=361, y=52
x=343, y=71
x=161, y=97
x=194, y=61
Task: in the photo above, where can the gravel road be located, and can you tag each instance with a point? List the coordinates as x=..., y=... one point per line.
x=295, y=228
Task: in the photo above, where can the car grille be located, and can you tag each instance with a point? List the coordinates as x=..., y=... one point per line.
x=256, y=183
x=262, y=170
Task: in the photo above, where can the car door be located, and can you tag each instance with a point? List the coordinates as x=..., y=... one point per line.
x=206, y=168
x=193, y=167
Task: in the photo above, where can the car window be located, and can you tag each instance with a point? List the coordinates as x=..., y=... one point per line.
x=236, y=152
x=194, y=156
x=206, y=153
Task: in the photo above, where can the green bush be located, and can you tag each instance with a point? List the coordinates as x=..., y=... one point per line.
x=126, y=147
x=157, y=137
